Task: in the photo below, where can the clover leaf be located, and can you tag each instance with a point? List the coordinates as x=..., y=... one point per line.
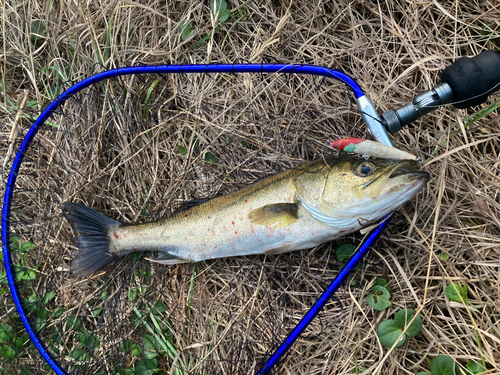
x=403, y=317
x=379, y=300
x=444, y=365
x=388, y=333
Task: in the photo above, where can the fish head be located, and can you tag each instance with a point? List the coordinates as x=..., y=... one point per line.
x=351, y=188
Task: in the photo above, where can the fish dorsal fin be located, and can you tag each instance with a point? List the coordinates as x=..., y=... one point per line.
x=277, y=215
x=188, y=204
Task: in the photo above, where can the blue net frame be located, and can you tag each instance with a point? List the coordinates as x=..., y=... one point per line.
x=279, y=353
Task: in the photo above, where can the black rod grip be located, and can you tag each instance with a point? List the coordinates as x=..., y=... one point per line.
x=473, y=79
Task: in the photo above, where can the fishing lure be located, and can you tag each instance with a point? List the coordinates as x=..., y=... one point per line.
x=371, y=149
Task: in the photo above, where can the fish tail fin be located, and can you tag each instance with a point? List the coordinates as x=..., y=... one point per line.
x=94, y=243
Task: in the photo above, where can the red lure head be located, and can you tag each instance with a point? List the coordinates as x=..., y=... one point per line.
x=342, y=143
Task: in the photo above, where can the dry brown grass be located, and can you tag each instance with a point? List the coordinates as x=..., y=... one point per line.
x=113, y=154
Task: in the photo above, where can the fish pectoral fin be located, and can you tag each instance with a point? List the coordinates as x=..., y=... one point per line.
x=277, y=215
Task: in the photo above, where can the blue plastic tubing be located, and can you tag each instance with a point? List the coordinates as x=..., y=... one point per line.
x=164, y=69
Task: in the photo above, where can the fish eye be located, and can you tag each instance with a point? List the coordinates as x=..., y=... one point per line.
x=365, y=169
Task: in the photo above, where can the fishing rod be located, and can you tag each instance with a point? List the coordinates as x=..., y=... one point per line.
x=377, y=126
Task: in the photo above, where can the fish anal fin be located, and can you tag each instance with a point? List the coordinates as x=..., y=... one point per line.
x=168, y=261
x=284, y=248
x=277, y=215
x=166, y=258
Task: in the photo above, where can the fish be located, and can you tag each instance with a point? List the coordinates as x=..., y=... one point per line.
x=296, y=209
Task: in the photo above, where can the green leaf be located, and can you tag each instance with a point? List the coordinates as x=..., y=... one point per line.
x=58, y=312
x=159, y=308
x=126, y=346
x=218, y=5
x=3, y=278
x=129, y=347
x=403, y=317
x=26, y=246
x=18, y=343
x=210, y=157
x=29, y=275
x=388, y=333
x=73, y=323
x=224, y=15
x=423, y=373
x=5, y=333
x=25, y=371
x=136, y=320
x=19, y=275
x=88, y=340
x=475, y=367
x=38, y=31
x=382, y=282
x=186, y=29
x=444, y=257
x=96, y=311
x=444, y=365
x=80, y=355
x=146, y=367
x=146, y=273
x=132, y=294
x=83, y=338
x=344, y=252
x=182, y=149
x=7, y=352
x=49, y=297
x=150, y=346
x=457, y=293
x=136, y=255
x=379, y=300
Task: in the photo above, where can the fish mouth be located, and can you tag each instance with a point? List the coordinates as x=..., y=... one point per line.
x=408, y=169
x=401, y=174
x=403, y=168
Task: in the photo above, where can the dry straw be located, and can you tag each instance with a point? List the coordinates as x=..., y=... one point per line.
x=116, y=149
